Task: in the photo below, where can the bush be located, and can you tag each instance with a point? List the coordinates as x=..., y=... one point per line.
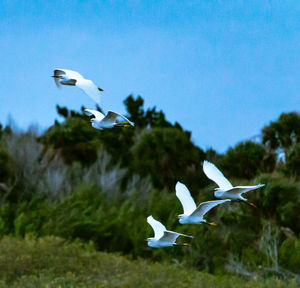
x=74, y=138
x=54, y=262
x=287, y=255
x=279, y=200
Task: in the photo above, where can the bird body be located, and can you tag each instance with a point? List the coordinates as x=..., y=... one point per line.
x=73, y=78
x=112, y=119
x=226, y=190
x=162, y=236
x=191, y=213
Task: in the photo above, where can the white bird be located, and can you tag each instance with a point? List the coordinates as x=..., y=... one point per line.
x=226, y=190
x=191, y=213
x=162, y=236
x=73, y=78
x=111, y=119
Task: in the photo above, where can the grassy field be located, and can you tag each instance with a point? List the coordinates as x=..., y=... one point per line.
x=54, y=262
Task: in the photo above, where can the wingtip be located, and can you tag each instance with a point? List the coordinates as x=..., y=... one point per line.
x=149, y=218
x=207, y=163
x=178, y=184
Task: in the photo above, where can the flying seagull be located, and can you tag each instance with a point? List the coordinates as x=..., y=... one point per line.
x=111, y=119
x=226, y=190
x=73, y=78
x=191, y=213
x=162, y=236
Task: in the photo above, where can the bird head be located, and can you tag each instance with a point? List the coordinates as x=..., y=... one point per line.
x=150, y=240
x=182, y=218
x=218, y=192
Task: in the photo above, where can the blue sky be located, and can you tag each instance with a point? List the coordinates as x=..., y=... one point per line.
x=222, y=69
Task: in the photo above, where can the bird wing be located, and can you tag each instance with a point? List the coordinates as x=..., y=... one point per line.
x=89, y=88
x=122, y=118
x=157, y=227
x=69, y=73
x=243, y=189
x=170, y=236
x=58, y=72
x=98, y=115
x=114, y=117
x=184, y=196
x=72, y=74
x=111, y=117
x=204, y=207
x=214, y=174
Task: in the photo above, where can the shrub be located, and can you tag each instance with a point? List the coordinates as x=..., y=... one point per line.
x=54, y=262
x=5, y=165
x=289, y=255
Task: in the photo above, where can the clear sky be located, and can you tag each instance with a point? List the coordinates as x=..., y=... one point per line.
x=222, y=69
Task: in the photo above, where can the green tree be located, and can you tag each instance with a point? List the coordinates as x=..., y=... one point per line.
x=279, y=200
x=283, y=133
x=293, y=161
x=5, y=165
x=246, y=160
x=74, y=140
x=168, y=155
x=143, y=118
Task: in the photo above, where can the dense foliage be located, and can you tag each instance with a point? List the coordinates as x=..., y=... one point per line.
x=74, y=181
x=53, y=262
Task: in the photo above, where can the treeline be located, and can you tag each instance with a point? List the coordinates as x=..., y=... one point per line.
x=74, y=181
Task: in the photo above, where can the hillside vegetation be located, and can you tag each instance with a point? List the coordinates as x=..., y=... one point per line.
x=53, y=262
x=76, y=182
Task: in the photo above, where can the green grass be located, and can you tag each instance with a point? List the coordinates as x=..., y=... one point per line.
x=54, y=262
